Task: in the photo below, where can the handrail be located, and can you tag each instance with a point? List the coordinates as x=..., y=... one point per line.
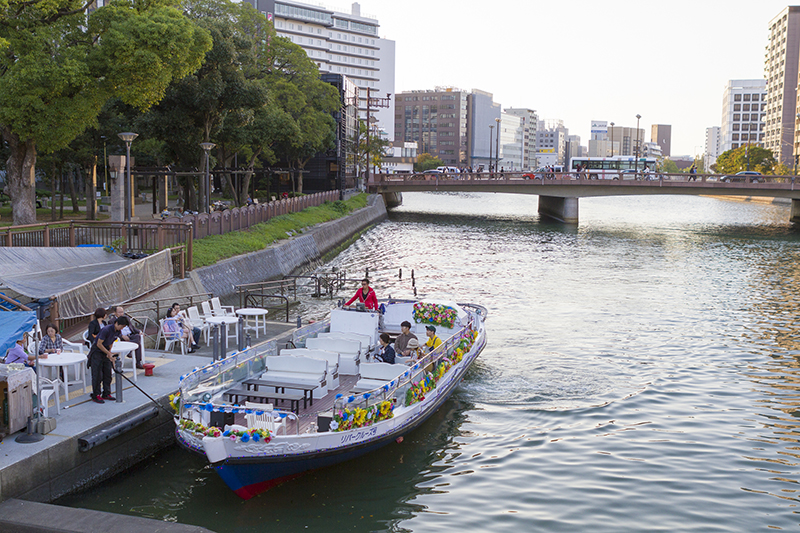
x=250, y=301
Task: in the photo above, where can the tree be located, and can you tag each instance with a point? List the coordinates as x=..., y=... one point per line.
x=426, y=161
x=746, y=158
x=60, y=65
x=372, y=154
x=670, y=167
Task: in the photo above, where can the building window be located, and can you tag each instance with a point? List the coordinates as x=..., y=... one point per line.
x=755, y=97
x=746, y=107
x=737, y=97
x=734, y=146
x=737, y=107
x=747, y=98
x=736, y=117
x=735, y=127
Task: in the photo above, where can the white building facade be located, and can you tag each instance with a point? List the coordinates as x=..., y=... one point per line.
x=780, y=73
x=529, y=125
x=713, y=147
x=743, y=113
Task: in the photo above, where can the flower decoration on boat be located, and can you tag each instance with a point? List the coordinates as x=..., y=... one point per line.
x=357, y=417
x=416, y=393
x=252, y=434
x=175, y=401
x=436, y=314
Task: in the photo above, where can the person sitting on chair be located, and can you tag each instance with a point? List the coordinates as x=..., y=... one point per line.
x=17, y=353
x=365, y=295
x=95, y=326
x=129, y=333
x=385, y=352
x=433, y=341
x=175, y=324
x=51, y=342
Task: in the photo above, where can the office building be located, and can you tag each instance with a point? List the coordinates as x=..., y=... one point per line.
x=340, y=43
x=482, y=115
x=436, y=120
x=713, y=147
x=551, y=142
x=625, y=139
x=743, y=109
x=661, y=134
x=780, y=72
x=530, y=122
x=510, y=142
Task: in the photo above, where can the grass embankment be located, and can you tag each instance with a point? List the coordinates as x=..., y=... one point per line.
x=214, y=248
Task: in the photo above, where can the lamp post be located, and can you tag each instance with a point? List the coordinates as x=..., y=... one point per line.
x=105, y=164
x=207, y=180
x=128, y=137
x=612, y=139
x=491, y=140
x=497, y=146
x=636, y=164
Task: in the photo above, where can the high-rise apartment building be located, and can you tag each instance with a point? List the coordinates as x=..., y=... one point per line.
x=511, y=142
x=780, y=72
x=436, y=120
x=713, y=147
x=529, y=125
x=743, y=112
x=661, y=134
x=340, y=43
x=599, y=142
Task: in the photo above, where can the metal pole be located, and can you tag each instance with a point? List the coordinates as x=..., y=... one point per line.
x=215, y=342
x=118, y=377
x=497, y=147
x=636, y=164
x=240, y=333
x=491, y=155
x=224, y=341
x=368, y=112
x=612, y=139
x=128, y=182
x=207, y=205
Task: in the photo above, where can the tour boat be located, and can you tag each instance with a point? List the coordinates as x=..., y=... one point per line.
x=262, y=417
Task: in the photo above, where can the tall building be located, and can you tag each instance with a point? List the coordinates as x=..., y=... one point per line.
x=780, y=71
x=436, y=120
x=599, y=142
x=551, y=142
x=530, y=123
x=340, y=43
x=482, y=112
x=713, y=147
x=743, y=109
x=661, y=134
x=625, y=139
x=511, y=142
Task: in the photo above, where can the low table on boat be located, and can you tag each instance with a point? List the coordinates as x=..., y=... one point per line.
x=293, y=397
x=305, y=386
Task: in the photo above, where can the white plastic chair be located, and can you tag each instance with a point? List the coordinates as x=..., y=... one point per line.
x=48, y=388
x=207, y=312
x=221, y=310
x=196, y=321
x=264, y=419
x=171, y=331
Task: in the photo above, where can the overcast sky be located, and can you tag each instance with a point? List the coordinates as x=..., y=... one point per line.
x=580, y=60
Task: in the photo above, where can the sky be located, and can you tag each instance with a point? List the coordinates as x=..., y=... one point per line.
x=583, y=60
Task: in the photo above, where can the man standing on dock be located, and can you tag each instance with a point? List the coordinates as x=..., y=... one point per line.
x=101, y=359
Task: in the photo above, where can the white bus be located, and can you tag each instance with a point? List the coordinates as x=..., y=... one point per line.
x=616, y=167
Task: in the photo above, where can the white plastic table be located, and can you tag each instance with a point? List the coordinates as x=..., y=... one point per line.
x=223, y=321
x=254, y=313
x=123, y=348
x=65, y=360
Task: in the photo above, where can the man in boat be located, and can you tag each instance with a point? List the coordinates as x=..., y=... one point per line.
x=401, y=342
x=433, y=341
x=365, y=295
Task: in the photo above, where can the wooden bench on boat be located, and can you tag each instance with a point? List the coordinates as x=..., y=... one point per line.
x=280, y=386
x=292, y=397
x=300, y=369
x=374, y=375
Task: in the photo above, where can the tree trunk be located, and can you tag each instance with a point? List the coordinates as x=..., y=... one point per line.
x=53, y=174
x=75, y=174
x=21, y=178
x=61, y=191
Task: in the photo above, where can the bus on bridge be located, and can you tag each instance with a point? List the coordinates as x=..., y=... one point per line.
x=612, y=168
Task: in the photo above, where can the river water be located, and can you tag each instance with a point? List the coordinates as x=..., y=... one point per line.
x=641, y=374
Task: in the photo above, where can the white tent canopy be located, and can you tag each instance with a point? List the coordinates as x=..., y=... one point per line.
x=81, y=279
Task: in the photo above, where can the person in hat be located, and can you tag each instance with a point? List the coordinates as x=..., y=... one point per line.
x=412, y=349
x=17, y=353
x=385, y=353
x=433, y=341
x=365, y=295
x=402, y=340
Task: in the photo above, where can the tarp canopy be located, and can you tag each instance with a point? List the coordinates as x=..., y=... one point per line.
x=12, y=325
x=82, y=279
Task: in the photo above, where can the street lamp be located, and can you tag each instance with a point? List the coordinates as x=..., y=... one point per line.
x=207, y=181
x=612, y=139
x=491, y=139
x=497, y=146
x=636, y=164
x=128, y=137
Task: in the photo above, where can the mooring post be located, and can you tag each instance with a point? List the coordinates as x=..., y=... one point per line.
x=240, y=333
x=223, y=352
x=215, y=337
x=247, y=341
x=118, y=379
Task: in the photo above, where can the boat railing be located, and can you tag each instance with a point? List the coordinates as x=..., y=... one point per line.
x=415, y=373
x=308, y=331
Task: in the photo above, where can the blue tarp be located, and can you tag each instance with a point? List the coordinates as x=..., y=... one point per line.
x=12, y=325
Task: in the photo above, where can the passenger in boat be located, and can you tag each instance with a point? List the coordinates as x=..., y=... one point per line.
x=402, y=340
x=95, y=326
x=365, y=295
x=412, y=348
x=386, y=352
x=433, y=341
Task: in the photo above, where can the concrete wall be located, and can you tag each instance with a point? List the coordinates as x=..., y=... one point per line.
x=286, y=257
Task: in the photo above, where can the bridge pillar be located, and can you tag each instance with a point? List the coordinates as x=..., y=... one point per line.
x=559, y=208
x=795, y=215
x=392, y=199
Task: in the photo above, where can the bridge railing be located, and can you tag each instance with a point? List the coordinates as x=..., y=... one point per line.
x=584, y=176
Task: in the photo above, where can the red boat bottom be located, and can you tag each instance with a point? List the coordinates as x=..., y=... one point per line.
x=257, y=488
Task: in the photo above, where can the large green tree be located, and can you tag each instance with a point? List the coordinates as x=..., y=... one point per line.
x=59, y=65
x=426, y=161
x=746, y=158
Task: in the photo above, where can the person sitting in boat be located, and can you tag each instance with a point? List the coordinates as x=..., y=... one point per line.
x=433, y=341
x=412, y=349
x=365, y=295
x=402, y=340
x=385, y=352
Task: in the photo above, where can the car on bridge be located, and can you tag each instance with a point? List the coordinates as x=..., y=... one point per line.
x=745, y=176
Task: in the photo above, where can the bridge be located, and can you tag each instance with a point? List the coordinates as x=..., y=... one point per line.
x=559, y=193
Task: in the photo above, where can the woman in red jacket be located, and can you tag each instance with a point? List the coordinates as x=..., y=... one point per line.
x=365, y=295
